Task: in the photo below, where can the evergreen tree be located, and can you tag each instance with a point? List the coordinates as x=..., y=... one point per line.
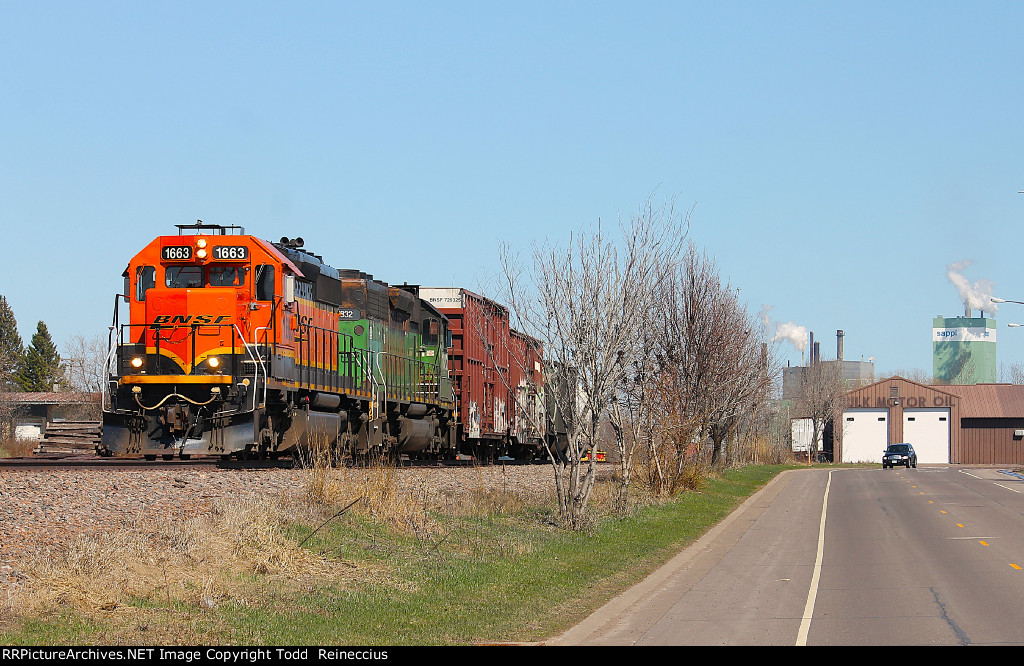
x=41, y=369
x=11, y=348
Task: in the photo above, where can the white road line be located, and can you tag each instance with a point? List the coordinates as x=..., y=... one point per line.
x=1008, y=488
x=971, y=538
x=805, y=623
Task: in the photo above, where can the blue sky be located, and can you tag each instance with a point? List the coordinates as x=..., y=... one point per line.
x=839, y=155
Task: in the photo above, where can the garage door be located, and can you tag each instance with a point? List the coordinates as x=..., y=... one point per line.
x=865, y=434
x=928, y=430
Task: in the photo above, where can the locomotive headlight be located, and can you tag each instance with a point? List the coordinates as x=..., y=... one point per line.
x=201, y=242
x=201, y=253
x=213, y=361
x=137, y=362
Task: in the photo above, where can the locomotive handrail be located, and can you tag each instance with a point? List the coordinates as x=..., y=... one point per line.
x=383, y=382
x=412, y=378
x=256, y=361
x=255, y=339
x=108, y=363
x=318, y=344
x=328, y=358
x=112, y=346
x=259, y=361
x=355, y=363
x=268, y=341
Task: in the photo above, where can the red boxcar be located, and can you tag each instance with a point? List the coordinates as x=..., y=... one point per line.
x=530, y=423
x=496, y=373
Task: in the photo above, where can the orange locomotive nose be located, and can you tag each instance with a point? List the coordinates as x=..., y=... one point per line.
x=206, y=307
x=188, y=325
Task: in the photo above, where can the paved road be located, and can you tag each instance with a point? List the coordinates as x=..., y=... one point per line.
x=926, y=556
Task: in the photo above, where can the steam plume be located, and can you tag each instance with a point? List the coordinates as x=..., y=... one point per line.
x=975, y=295
x=794, y=333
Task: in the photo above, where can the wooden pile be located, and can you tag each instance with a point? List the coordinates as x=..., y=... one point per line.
x=69, y=437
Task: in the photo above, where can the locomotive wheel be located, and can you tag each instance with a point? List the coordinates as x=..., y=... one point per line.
x=150, y=456
x=168, y=456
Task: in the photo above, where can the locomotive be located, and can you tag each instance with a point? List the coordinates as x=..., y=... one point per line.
x=240, y=347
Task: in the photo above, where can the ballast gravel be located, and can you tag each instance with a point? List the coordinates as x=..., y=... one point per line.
x=41, y=510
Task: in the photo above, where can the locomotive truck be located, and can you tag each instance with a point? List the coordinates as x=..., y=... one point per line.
x=241, y=347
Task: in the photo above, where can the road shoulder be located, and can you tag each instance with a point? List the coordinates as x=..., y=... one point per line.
x=626, y=617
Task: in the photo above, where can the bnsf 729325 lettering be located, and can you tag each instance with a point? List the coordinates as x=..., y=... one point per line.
x=236, y=346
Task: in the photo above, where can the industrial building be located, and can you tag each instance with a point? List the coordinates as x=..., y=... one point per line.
x=964, y=350
x=854, y=373
x=953, y=424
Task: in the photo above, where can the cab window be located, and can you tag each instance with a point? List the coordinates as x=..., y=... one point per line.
x=226, y=276
x=145, y=279
x=264, y=282
x=182, y=277
x=430, y=332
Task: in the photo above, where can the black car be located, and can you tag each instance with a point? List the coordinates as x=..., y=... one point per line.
x=899, y=454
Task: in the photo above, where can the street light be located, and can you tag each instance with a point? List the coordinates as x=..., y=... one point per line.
x=1003, y=300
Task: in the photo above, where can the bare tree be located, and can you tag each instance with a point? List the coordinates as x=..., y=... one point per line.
x=822, y=399
x=83, y=360
x=587, y=302
x=634, y=409
x=741, y=373
x=714, y=366
x=765, y=432
x=1012, y=373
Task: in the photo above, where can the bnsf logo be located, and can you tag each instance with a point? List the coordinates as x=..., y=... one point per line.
x=186, y=319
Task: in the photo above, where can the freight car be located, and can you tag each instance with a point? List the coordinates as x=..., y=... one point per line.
x=236, y=346
x=497, y=375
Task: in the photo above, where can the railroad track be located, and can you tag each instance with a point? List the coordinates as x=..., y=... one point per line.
x=204, y=462
x=97, y=462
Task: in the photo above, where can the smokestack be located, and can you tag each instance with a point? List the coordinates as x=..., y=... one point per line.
x=813, y=355
x=817, y=352
x=839, y=345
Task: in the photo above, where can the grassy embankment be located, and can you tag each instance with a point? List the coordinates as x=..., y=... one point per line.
x=395, y=569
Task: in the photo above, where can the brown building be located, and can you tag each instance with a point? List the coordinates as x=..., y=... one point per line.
x=977, y=424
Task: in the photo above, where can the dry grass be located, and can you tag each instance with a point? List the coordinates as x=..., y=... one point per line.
x=763, y=451
x=17, y=448
x=372, y=490
x=410, y=502
x=692, y=477
x=135, y=574
x=162, y=576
